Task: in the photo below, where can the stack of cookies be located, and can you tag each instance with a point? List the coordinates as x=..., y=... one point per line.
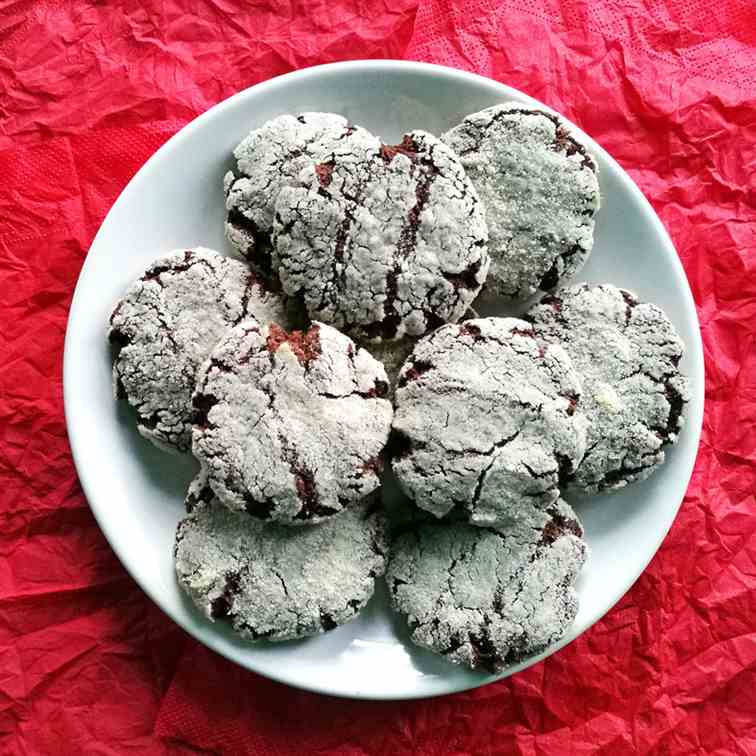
x=342, y=348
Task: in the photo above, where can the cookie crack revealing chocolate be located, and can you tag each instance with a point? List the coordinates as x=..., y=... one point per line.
x=407, y=242
x=304, y=344
x=304, y=479
x=222, y=605
x=412, y=371
x=467, y=279
x=240, y=227
x=619, y=477
x=527, y=602
x=195, y=498
x=392, y=245
x=560, y=524
x=270, y=581
x=338, y=269
x=202, y=404
x=166, y=325
x=155, y=271
x=380, y=389
x=482, y=476
x=260, y=508
x=552, y=275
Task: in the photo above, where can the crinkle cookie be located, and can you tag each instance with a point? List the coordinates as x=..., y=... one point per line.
x=272, y=581
x=634, y=395
x=488, y=598
x=540, y=189
x=272, y=157
x=165, y=327
x=487, y=418
x=291, y=426
x=385, y=247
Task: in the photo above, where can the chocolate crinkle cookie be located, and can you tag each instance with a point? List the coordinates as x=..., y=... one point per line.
x=634, y=394
x=540, y=189
x=277, y=582
x=165, y=327
x=484, y=597
x=290, y=426
x=272, y=157
x=487, y=419
x=384, y=247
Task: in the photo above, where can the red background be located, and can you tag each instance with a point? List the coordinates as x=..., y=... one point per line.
x=89, y=91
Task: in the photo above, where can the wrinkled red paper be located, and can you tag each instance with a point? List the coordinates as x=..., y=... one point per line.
x=88, y=92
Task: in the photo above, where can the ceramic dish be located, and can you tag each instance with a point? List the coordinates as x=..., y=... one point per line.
x=136, y=491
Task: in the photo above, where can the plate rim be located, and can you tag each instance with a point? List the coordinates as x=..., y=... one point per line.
x=694, y=424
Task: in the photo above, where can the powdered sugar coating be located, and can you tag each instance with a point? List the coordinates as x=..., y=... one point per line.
x=276, y=582
x=634, y=395
x=540, y=189
x=291, y=426
x=272, y=157
x=383, y=247
x=488, y=419
x=487, y=598
x=166, y=325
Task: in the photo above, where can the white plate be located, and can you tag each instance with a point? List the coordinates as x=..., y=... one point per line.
x=136, y=491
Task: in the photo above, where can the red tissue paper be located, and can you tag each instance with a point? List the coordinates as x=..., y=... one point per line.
x=88, y=91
